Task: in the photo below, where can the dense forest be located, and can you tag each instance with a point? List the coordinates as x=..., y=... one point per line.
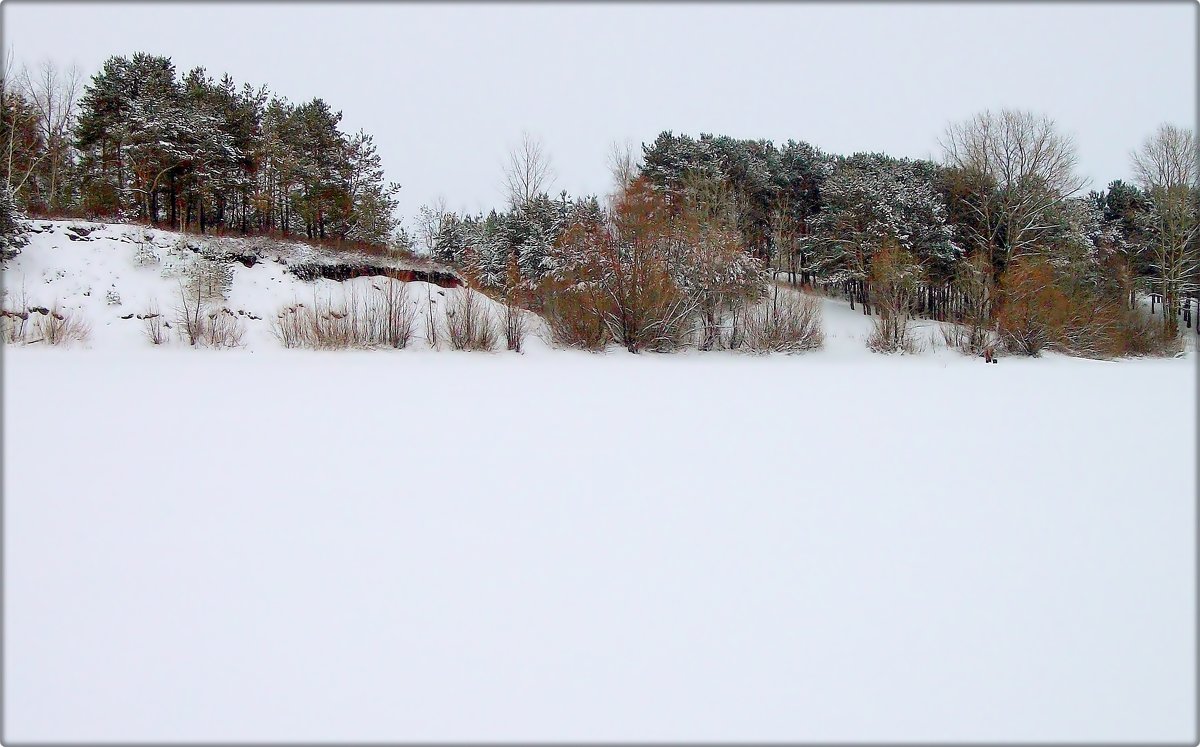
x=696, y=232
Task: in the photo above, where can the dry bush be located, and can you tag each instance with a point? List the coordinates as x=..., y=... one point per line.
x=290, y=327
x=572, y=320
x=515, y=297
x=384, y=318
x=468, y=322
x=1038, y=310
x=189, y=315
x=515, y=326
x=975, y=332
x=199, y=326
x=1035, y=312
x=1139, y=334
x=320, y=326
x=223, y=330
x=621, y=270
x=895, y=277
x=388, y=316
x=892, y=333
x=970, y=337
x=1098, y=328
x=431, y=325
x=642, y=306
x=14, y=326
x=60, y=328
x=15, y=320
x=153, y=324
x=787, y=324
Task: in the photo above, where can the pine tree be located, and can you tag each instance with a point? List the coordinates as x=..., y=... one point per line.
x=872, y=200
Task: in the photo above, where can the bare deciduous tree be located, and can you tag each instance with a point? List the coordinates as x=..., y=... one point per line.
x=53, y=93
x=529, y=171
x=1166, y=166
x=622, y=165
x=23, y=151
x=1017, y=166
x=429, y=223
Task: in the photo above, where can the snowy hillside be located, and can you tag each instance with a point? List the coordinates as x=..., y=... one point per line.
x=111, y=276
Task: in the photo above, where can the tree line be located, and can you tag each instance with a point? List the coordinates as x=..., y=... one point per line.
x=997, y=234
x=141, y=142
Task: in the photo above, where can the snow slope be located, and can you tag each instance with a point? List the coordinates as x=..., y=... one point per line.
x=78, y=272
x=274, y=545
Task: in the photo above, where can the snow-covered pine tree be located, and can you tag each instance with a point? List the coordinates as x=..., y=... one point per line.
x=872, y=199
x=12, y=227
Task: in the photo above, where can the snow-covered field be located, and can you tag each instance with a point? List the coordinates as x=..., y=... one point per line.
x=269, y=544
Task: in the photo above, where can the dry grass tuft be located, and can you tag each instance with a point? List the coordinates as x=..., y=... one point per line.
x=383, y=318
x=60, y=328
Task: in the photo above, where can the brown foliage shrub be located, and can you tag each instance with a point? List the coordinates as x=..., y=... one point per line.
x=1033, y=311
x=1038, y=310
x=572, y=319
x=621, y=271
x=895, y=277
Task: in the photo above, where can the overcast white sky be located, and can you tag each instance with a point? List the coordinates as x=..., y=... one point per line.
x=447, y=88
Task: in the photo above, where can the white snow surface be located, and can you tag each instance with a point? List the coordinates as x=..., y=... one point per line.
x=273, y=545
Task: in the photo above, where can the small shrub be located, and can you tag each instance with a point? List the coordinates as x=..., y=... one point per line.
x=143, y=251
x=512, y=316
x=468, y=322
x=1139, y=334
x=573, y=322
x=515, y=327
x=895, y=277
x=199, y=326
x=14, y=326
x=390, y=316
x=289, y=327
x=1033, y=311
x=970, y=338
x=189, y=315
x=790, y=323
x=211, y=278
x=15, y=319
x=383, y=319
x=153, y=321
x=60, y=328
x=431, y=325
x=222, y=330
